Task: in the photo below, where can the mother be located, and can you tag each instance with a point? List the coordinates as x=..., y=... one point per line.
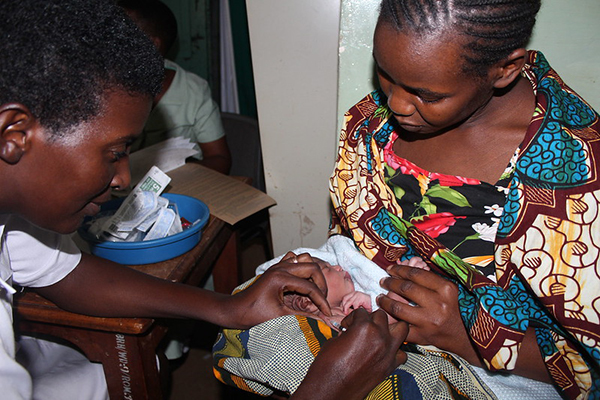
x=477, y=157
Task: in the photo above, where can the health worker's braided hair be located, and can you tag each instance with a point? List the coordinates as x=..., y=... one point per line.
x=493, y=28
x=60, y=58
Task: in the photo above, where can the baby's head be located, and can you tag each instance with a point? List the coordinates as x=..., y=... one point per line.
x=339, y=284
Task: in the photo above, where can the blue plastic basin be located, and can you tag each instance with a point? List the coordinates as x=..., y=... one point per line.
x=152, y=251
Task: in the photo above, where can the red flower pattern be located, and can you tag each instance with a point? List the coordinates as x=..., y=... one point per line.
x=449, y=180
x=435, y=224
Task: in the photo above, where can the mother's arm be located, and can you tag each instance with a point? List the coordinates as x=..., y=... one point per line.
x=436, y=319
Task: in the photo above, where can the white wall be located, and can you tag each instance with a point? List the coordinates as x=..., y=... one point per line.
x=294, y=53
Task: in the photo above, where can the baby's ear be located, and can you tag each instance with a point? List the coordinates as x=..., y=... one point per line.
x=303, y=303
x=16, y=123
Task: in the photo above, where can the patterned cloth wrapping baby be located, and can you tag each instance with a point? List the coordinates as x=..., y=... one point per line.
x=276, y=355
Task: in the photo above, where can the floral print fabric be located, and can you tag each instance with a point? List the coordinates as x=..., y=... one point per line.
x=547, y=243
x=462, y=213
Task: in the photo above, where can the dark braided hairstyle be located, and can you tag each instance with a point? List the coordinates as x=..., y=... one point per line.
x=60, y=57
x=493, y=28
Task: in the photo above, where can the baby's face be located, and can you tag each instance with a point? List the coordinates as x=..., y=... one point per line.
x=339, y=282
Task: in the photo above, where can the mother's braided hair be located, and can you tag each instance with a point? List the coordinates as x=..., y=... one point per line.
x=493, y=28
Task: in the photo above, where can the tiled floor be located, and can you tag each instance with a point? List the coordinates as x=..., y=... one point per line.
x=193, y=379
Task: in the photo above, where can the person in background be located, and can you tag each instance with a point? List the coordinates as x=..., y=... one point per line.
x=77, y=80
x=184, y=106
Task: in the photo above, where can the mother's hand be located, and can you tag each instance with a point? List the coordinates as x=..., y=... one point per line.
x=434, y=316
x=264, y=299
x=352, y=364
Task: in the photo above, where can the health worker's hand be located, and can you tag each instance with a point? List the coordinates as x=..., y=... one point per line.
x=352, y=364
x=434, y=315
x=264, y=299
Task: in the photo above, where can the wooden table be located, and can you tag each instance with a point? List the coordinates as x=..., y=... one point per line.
x=127, y=347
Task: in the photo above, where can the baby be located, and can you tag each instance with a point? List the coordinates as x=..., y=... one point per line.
x=277, y=354
x=342, y=295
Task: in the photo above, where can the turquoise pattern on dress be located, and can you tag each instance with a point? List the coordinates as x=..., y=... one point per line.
x=382, y=224
x=555, y=158
x=512, y=208
x=381, y=135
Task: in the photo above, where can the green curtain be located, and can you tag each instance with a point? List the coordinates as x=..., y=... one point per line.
x=243, y=58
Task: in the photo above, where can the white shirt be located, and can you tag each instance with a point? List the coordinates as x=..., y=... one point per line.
x=186, y=110
x=30, y=257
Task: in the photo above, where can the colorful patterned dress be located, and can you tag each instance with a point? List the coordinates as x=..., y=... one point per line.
x=524, y=251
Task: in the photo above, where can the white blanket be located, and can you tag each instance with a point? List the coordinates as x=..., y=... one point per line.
x=340, y=250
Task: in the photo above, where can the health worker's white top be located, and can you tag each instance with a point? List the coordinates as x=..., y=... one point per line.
x=30, y=257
